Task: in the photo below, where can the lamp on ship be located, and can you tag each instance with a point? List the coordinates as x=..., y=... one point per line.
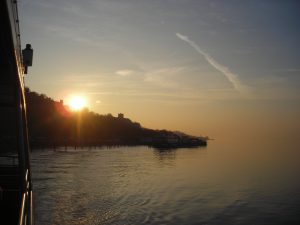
x=27, y=54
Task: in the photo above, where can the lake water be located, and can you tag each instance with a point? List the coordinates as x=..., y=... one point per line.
x=223, y=183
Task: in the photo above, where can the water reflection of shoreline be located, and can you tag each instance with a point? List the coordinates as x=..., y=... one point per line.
x=167, y=156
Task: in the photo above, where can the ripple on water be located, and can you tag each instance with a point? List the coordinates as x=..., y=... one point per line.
x=144, y=186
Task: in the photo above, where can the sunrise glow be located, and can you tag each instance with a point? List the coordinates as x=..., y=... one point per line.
x=77, y=103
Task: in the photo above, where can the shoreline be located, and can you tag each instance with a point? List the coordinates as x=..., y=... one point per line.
x=77, y=145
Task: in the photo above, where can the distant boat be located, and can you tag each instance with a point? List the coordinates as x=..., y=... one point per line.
x=15, y=173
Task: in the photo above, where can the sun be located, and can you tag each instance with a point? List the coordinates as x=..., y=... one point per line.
x=77, y=102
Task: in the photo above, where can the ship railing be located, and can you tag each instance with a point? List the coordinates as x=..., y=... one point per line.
x=25, y=216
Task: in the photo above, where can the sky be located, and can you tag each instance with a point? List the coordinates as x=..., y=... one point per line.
x=223, y=69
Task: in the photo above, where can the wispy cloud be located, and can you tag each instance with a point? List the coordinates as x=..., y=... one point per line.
x=181, y=95
x=231, y=77
x=125, y=72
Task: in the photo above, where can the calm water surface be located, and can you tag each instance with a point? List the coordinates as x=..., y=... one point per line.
x=224, y=183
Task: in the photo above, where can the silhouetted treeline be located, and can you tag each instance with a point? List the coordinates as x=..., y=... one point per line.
x=53, y=123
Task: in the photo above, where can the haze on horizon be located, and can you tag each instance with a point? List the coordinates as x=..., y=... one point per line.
x=217, y=68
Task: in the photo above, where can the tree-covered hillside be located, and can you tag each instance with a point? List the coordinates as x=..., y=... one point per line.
x=53, y=123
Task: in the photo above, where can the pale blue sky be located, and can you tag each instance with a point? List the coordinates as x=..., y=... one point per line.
x=174, y=64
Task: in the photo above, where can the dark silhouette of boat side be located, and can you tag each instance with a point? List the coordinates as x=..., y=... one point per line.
x=15, y=173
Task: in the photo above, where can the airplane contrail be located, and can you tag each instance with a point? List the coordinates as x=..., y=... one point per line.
x=231, y=77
